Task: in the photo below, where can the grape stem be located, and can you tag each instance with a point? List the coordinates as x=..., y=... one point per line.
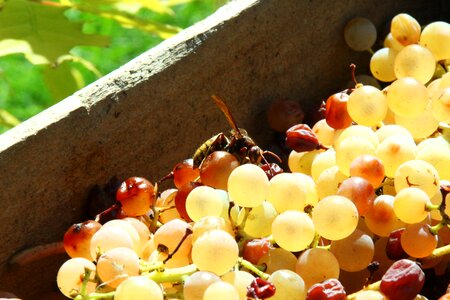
x=441, y=251
x=372, y=287
x=248, y=265
x=186, y=234
x=173, y=274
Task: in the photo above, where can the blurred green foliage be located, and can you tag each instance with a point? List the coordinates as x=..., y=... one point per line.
x=26, y=89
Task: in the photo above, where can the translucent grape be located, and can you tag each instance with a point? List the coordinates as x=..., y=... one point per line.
x=368, y=167
x=323, y=161
x=421, y=126
x=367, y=105
x=138, y=288
x=391, y=42
x=209, y=223
x=349, y=149
x=130, y=229
x=240, y=280
x=418, y=241
x=419, y=174
x=333, y=225
x=205, y=201
x=357, y=131
x=360, y=191
x=370, y=295
x=248, y=185
x=436, y=37
x=329, y=181
x=415, y=61
x=392, y=129
x=380, y=218
x=316, y=265
x=300, y=162
x=70, y=275
x=308, y=184
x=221, y=290
x=141, y=229
x=109, y=238
x=172, y=234
x=77, y=239
x=407, y=97
x=293, y=230
x=439, y=158
x=405, y=29
x=410, y=205
x=394, y=151
x=440, y=105
x=259, y=220
x=286, y=192
x=289, y=285
x=360, y=34
x=184, y=172
x=355, y=252
x=116, y=265
x=215, y=251
x=278, y=259
x=195, y=285
x=382, y=64
x=324, y=132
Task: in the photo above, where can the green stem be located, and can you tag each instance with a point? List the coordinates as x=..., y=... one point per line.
x=316, y=240
x=248, y=265
x=435, y=229
x=96, y=296
x=441, y=251
x=327, y=247
x=430, y=206
x=371, y=287
x=172, y=275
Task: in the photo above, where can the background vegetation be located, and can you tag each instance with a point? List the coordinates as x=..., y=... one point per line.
x=114, y=31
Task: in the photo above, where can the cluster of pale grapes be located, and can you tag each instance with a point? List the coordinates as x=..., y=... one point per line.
x=365, y=202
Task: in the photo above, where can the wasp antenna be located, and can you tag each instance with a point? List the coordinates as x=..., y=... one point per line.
x=226, y=111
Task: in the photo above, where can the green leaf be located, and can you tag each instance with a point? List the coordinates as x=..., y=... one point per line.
x=7, y=119
x=41, y=32
x=63, y=81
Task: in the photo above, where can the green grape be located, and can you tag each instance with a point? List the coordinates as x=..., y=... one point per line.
x=215, y=251
x=391, y=42
x=405, y=29
x=329, y=181
x=394, y=151
x=438, y=157
x=440, y=105
x=278, y=259
x=248, y=185
x=205, y=201
x=355, y=252
x=436, y=37
x=322, y=162
x=138, y=288
x=382, y=64
x=324, y=133
x=421, y=126
x=259, y=220
x=289, y=285
x=335, y=217
x=286, y=192
x=415, y=61
x=240, y=280
x=367, y=105
x=300, y=162
x=360, y=34
x=349, y=149
x=407, y=97
x=209, y=223
x=357, y=131
x=70, y=275
x=392, y=129
x=410, y=205
x=293, y=230
x=316, y=265
x=221, y=290
x=308, y=184
x=195, y=285
x=419, y=174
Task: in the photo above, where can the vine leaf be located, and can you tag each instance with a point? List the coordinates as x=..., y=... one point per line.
x=41, y=32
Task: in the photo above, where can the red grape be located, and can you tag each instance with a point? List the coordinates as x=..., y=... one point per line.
x=184, y=172
x=336, y=113
x=216, y=168
x=360, y=191
x=77, y=239
x=330, y=289
x=136, y=195
x=394, y=248
x=180, y=198
x=255, y=249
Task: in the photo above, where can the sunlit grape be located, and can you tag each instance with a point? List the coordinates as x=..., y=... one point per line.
x=360, y=34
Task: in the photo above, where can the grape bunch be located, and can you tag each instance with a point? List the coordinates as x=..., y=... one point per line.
x=362, y=213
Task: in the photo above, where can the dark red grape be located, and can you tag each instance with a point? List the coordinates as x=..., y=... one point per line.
x=136, y=195
x=403, y=280
x=394, y=249
x=260, y=289
x=336, y=113
x=301, y=138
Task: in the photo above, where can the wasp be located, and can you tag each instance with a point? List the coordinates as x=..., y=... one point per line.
x=239, y=143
